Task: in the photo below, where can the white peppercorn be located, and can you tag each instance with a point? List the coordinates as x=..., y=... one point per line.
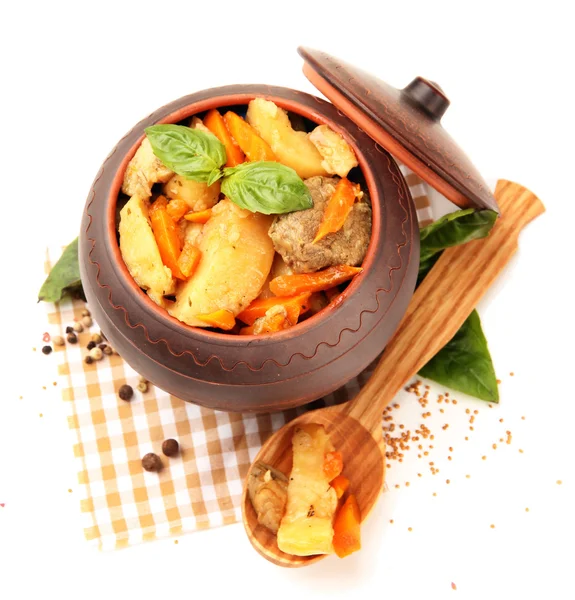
x=78, y=327
x=86, y=313
x=87, y=321
x=58, y=340
x=96, y=353
x=96, y=338
x=143, y=386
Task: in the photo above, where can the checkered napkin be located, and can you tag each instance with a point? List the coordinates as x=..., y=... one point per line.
x=122, y=504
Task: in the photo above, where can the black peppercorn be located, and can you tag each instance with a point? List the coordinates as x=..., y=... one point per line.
x=170, y=447
x=152, y=462
x=126, y=392
x=46, y=349
x=90, y=345
x=69, y=329
x=72, y=338
x=102, y=346
x=88, y=360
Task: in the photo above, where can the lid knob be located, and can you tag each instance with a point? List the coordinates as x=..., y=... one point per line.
x=427, y=96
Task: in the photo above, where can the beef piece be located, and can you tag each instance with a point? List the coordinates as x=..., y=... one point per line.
x=293, y=233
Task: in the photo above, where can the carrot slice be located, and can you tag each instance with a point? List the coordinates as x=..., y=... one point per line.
x=202, y=216
x=177, y=208
x=247, y=330
x=247, y=139
x=332, y=465
x=346, y=528
x=340, y=485
x=216, y=124
x=290, y=285
x=166, y=235
x=295, y=306
x=189, y=259
x=223, y=319
x=338, y=208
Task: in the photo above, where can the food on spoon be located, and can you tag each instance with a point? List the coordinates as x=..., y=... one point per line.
x=293, y=234
x=198, y=196
x=306, y=508
x=254, y=147
x=338, y=156
x=140, y=251
x=267, y=489
x=143, y=171
x=307, y=526
x=237, y=255
x=346, y=528
x=292, y=148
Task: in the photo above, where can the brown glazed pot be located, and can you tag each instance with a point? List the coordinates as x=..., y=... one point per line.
x=255, y=373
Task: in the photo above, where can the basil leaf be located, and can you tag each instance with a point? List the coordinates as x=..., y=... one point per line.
x=464, y=363
x=455, y=228
x=266, y=187
x=192, y=153
x=64, y=276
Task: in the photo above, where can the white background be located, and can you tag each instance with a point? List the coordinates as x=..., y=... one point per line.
x=77, y=76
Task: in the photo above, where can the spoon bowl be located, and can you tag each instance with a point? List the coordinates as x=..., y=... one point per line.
x=437, y=310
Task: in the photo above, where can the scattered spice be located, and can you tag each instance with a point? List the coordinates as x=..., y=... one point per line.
x=526, y=510
x=88, y=360
x=46, y=349
x=126, y=392
x=492, y=526
x=447, y=481
x=175, y=541
x=85, y=312
x=559, y=482
x=96, y=338
x=69, y=329
x=152, y=462
x=511, y=374
x=410, y=529
x=453, y=586
x=58, y=340
x=72, y=339
x=391, y=520
x=170, y=447
x=494, y=446
x=87, y=321
x=468, y=476
x=142, y=386
x=445, y=426
x=78, y=327
x=107, y=350
x=484, y=458
x=90, y=345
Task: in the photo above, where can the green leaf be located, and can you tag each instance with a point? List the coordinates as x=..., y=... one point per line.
x=192, y=153
x=464, y=363
x=64, y=276
x=455, y=228
x=266, y=187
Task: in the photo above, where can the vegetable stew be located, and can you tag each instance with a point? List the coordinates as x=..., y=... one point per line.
x=237, y=221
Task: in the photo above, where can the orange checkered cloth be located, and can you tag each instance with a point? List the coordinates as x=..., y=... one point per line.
x=122, y=504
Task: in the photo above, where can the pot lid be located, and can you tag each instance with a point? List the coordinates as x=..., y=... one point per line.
x=405, y=122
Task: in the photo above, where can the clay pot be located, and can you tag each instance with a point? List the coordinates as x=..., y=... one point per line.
x=269, y=372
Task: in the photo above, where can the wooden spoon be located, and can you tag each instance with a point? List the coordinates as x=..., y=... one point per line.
x=438, y=308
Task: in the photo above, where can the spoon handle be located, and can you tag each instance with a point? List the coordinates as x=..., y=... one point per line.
x=443, y=301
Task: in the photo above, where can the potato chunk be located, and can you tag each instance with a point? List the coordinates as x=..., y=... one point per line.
x=140, y=251
x=267, y=489
x=292, y=148
x=307, y=526
x=143, y=171
x=237, y=255
x=338, y=156
x=198, y=196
